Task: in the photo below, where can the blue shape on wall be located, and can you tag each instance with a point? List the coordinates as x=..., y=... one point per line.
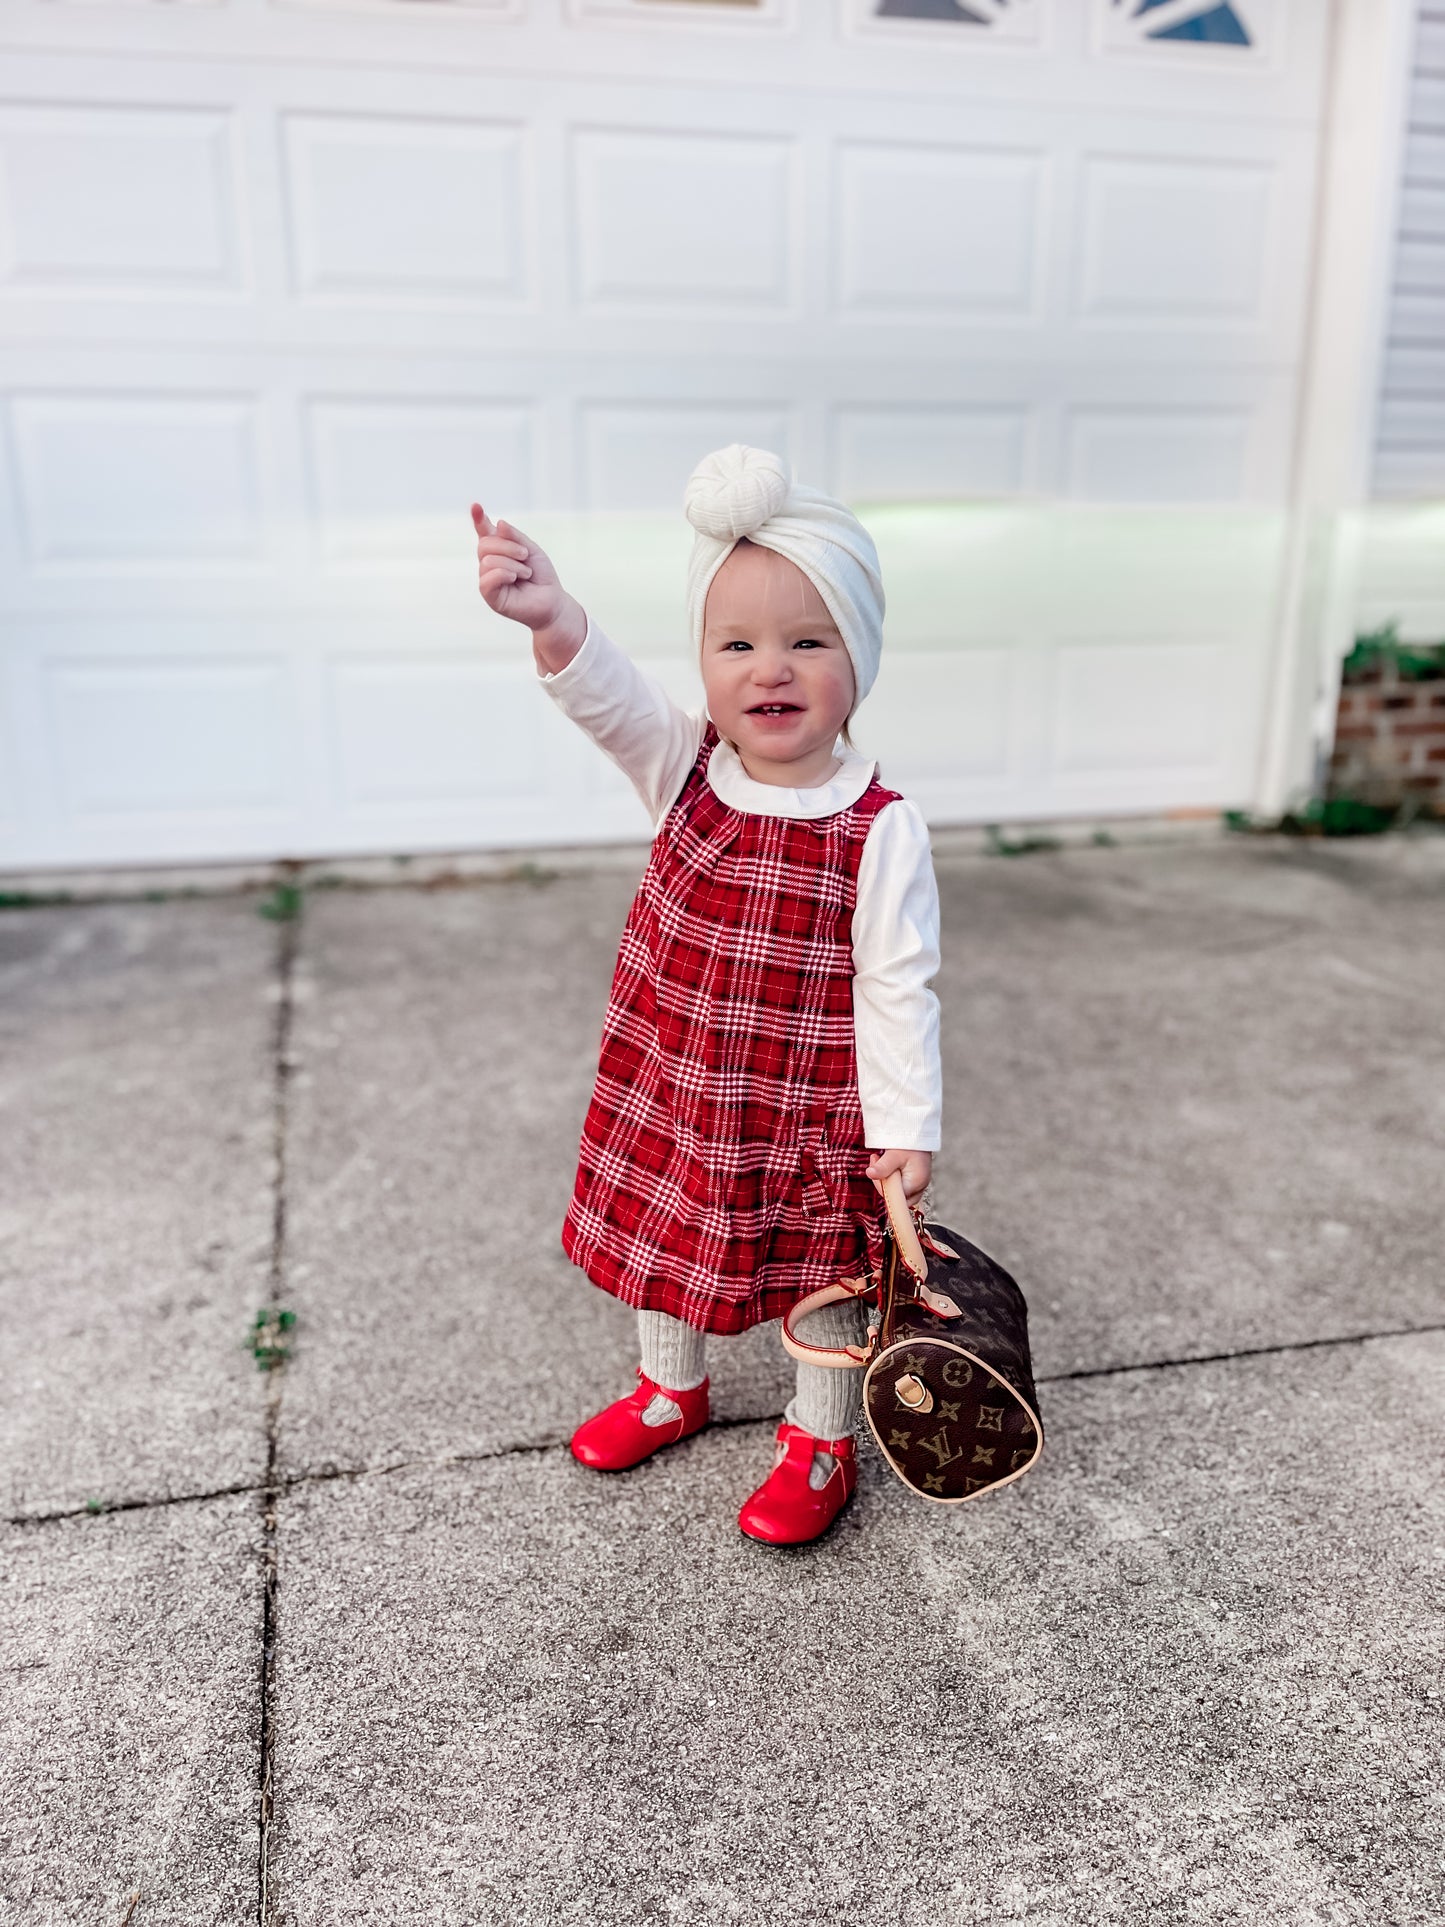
x=930, y=10
x=1218, y=24
x=1221, y=24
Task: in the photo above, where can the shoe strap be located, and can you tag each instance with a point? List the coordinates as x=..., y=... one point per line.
x=794, y=1436
x=652, y=1389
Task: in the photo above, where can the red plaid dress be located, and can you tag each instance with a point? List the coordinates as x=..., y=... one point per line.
x=722, y=1167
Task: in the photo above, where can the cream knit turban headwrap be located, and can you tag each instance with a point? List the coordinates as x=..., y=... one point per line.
x=742, y=491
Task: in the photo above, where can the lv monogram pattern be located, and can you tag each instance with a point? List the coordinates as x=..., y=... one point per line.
x=979, y=1423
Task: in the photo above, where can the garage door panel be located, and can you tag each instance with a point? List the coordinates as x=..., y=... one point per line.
x=1090, y=49
x=1133, y=569
x=667, y=221
x=392, y=476
x=1129, y=707
x=959, y=734
x=1172, y=240
x=411, y=217
x=137, y=479
x=295, y=491
x=639, y=455
x=394, y=207
x=1162, y=454
x=918, y=452
x=935, y=232
x=169, y=736
x=420, y=732
x=129, y=199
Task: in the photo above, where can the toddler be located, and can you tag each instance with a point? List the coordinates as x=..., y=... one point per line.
x=771, y=1017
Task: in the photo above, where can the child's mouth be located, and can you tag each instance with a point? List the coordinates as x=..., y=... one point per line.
x=775, y=709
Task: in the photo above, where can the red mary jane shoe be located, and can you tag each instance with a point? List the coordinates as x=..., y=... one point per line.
x=787, y=1511
x=615, y=1438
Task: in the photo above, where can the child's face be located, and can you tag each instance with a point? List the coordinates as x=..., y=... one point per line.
x=778, y=679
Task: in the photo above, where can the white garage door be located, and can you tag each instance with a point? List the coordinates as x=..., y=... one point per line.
x=286, y=286
x=1410, y=443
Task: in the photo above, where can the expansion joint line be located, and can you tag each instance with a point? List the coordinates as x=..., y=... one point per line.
x=1282, y=1350
x=275, y=1483
x=288, y=937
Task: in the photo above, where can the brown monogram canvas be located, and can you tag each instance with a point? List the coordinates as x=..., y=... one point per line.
x=951, y=1401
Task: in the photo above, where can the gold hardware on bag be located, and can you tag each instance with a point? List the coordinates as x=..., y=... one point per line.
x=913, y=1393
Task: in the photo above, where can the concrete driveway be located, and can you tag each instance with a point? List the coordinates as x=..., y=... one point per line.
x=354, y=1641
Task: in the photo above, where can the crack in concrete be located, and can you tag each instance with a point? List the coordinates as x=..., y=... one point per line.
x=155, y=1502
x=1245, y=1351
x=293, y=1481
x=288, y=941
x=283, y=1482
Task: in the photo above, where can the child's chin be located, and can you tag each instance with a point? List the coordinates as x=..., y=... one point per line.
x=781, y=739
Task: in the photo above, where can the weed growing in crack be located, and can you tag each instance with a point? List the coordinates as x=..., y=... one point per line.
x=283, y=905
x=270, y=1346
x=1029, y=844
x=33, y=899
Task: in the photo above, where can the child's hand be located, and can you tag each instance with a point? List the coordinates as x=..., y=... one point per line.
x=916, y=1167
x=516, y=578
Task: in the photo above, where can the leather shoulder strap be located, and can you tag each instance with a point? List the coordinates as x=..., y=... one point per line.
x=845, y=1358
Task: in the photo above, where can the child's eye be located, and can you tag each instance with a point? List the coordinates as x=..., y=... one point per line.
x=737, y=643
x=808, y=642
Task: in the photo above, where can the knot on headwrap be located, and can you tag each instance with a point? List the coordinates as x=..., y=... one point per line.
x=737, y=492
x=734, y=491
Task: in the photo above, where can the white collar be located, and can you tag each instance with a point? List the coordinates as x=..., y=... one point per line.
x=732, y=785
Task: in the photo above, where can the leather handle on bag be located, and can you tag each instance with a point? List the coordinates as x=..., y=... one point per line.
x=910, y=1253
x=848, y=1356
x=900, y=1223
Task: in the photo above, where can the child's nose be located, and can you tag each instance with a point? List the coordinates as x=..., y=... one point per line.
x=773, y=669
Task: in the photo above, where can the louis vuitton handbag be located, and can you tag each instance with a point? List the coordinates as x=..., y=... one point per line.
x=948, y=1389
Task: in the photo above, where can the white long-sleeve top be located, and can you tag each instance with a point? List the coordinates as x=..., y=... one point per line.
x=895, y=917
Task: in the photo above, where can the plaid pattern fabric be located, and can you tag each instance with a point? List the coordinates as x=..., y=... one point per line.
x=721, y=1172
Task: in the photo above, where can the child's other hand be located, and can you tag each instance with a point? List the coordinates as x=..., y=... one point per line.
x=915, y=1166
x=517, y=579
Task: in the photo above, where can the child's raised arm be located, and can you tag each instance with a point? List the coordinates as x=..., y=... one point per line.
x=517, y=579
x=629, y=716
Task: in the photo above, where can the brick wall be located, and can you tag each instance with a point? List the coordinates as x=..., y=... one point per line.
x=1390, y=739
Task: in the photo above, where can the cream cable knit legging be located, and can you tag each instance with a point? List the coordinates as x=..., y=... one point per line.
x=826, y=1402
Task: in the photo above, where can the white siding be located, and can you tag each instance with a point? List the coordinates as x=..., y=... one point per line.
x=1410, y=440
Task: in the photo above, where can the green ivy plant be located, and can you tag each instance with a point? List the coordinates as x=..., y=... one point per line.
x=1329, y=816
x=1382, y=649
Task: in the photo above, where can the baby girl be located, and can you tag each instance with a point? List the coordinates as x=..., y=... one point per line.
x=770, y=1051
